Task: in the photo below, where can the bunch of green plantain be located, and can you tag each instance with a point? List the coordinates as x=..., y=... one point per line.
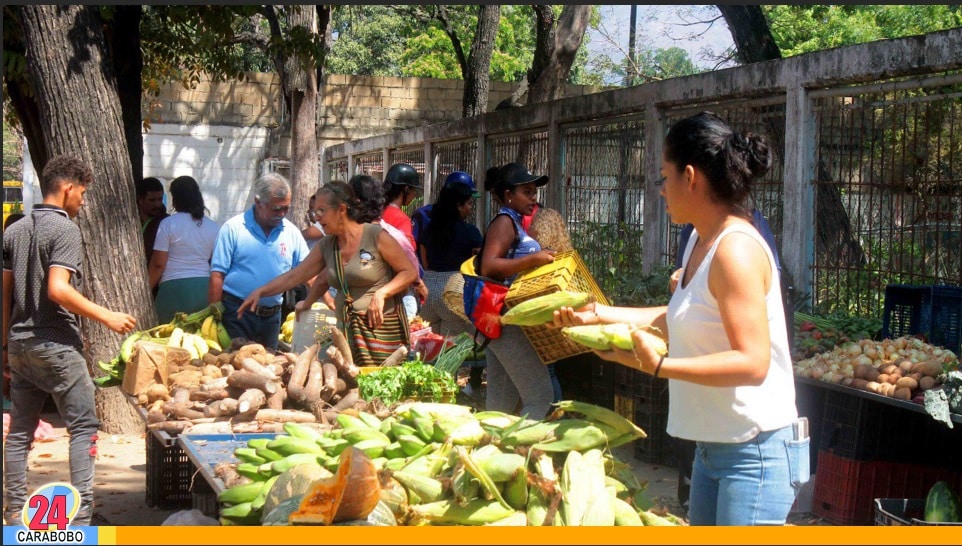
x=444, y=464
x=197, y=332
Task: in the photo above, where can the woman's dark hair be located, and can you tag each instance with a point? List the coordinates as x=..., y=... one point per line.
x=445, y=214
x=341, y=193
x=185, y=196
x=370, y=197
x=729, y=159
x=495, y=183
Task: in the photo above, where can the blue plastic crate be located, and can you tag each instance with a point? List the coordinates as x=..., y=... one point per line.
x=934, y=311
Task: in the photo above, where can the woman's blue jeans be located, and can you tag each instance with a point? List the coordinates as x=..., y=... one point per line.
x=750, y=483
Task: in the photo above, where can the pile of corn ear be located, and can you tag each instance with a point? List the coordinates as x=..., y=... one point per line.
x=445, y=464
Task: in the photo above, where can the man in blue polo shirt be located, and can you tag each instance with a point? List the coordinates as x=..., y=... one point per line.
x=252, y=248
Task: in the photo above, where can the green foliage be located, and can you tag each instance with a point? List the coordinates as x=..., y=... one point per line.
x=612, y=253
x=413, y=379
x=801, y=29
x=12, y=152
x=368, y=40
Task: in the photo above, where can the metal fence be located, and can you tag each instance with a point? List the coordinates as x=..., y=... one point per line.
x=865, y=190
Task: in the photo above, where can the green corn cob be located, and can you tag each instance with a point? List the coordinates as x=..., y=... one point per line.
x=540, y=310
x=619, y=335
x=590, y=336
x=516, y=490
x=475, y=512
x=625, y=515
x=426, y=488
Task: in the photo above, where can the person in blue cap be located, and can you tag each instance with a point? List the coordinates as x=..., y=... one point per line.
x=445, y=241
x=422, y=216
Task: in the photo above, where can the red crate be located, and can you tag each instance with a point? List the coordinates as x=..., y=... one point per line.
x=846, y=489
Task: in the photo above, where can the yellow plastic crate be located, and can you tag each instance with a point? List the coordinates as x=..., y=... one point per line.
x=566, y=272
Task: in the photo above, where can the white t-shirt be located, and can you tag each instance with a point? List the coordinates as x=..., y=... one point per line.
x=188, y=246
x=726, y=414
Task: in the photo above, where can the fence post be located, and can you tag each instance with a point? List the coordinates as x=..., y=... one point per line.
x=429, y=172
x=556, y=168
x=798, y=224
x=484, y=214
x=655, y=226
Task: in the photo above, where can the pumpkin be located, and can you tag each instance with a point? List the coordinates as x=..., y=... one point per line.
x=351, y=493
x=294, y=483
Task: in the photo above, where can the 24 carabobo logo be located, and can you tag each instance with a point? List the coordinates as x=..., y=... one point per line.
x=51, y=507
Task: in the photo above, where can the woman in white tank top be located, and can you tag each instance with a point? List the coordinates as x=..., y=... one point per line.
x=729, y=368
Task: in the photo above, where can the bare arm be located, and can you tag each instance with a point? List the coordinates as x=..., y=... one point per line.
x=404, y=275
x=63, y=294
x=216, y=288
x=158, y=263
x=500, y=238
x=301, y=273
x=739, y=278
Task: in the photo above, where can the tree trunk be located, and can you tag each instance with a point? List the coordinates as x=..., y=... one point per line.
x=125, y=49
x=836, y=244
x=474, y=101
x=750, y=32
x=80, y=114
x=558, y=53
x=302, y=82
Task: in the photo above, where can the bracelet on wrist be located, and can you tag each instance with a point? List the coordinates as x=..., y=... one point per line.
x=658, y=367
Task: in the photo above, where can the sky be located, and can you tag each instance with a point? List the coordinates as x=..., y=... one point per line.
x=663, y=26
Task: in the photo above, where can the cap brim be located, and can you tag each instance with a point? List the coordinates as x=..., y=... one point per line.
x=538, y=181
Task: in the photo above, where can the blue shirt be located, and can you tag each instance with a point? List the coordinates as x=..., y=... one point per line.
x=419, y=222
x=526, y=244
x=249, y=258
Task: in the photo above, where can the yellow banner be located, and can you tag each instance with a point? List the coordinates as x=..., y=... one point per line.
x=531, y=535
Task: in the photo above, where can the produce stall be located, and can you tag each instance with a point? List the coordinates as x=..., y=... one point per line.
x=441, y=464
x=885, y=413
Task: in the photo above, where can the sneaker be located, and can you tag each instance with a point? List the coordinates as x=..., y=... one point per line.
x=472, y=392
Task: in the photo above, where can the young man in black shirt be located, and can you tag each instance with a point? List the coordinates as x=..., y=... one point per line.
x=42, y=345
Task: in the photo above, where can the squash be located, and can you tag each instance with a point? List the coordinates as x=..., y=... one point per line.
x=352, y=493
x=293, y=483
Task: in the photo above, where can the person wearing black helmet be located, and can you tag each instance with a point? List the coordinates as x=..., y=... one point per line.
x=401, y=185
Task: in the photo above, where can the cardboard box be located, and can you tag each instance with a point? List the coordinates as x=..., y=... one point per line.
x=151, y=363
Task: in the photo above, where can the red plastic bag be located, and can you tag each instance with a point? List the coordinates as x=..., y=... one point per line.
x=487, y=309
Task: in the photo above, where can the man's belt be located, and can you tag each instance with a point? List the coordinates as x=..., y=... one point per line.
x=262, y=310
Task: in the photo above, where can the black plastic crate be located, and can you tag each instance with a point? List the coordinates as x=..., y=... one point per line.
x=933, y=311
x=658, y=447
x=859, y=428
x=203, y=498
x=893, y=512
x=602, y=382
x=169, y=472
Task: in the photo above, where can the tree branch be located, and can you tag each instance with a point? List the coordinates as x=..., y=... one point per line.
x=441, y=14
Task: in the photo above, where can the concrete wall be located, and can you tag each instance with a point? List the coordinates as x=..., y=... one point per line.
x=224, y=160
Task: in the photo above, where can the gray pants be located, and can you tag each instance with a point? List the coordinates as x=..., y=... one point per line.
x=39, y=368
x=516, y=374
x=443, y=320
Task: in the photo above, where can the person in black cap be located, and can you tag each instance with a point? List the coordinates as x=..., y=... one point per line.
x=401, y=185
x=516, y=375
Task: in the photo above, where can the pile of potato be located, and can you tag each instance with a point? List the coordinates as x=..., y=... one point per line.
x=901, y=368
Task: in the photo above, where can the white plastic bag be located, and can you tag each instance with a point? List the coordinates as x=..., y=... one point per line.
x=190, y=517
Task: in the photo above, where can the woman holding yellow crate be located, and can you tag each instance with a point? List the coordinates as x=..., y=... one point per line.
x=518, y=381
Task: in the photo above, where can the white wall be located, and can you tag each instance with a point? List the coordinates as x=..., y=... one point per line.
x=223, y=159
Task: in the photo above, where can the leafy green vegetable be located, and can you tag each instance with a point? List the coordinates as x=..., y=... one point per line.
x=940, y=403
x=413, y=379
x=451, y=358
